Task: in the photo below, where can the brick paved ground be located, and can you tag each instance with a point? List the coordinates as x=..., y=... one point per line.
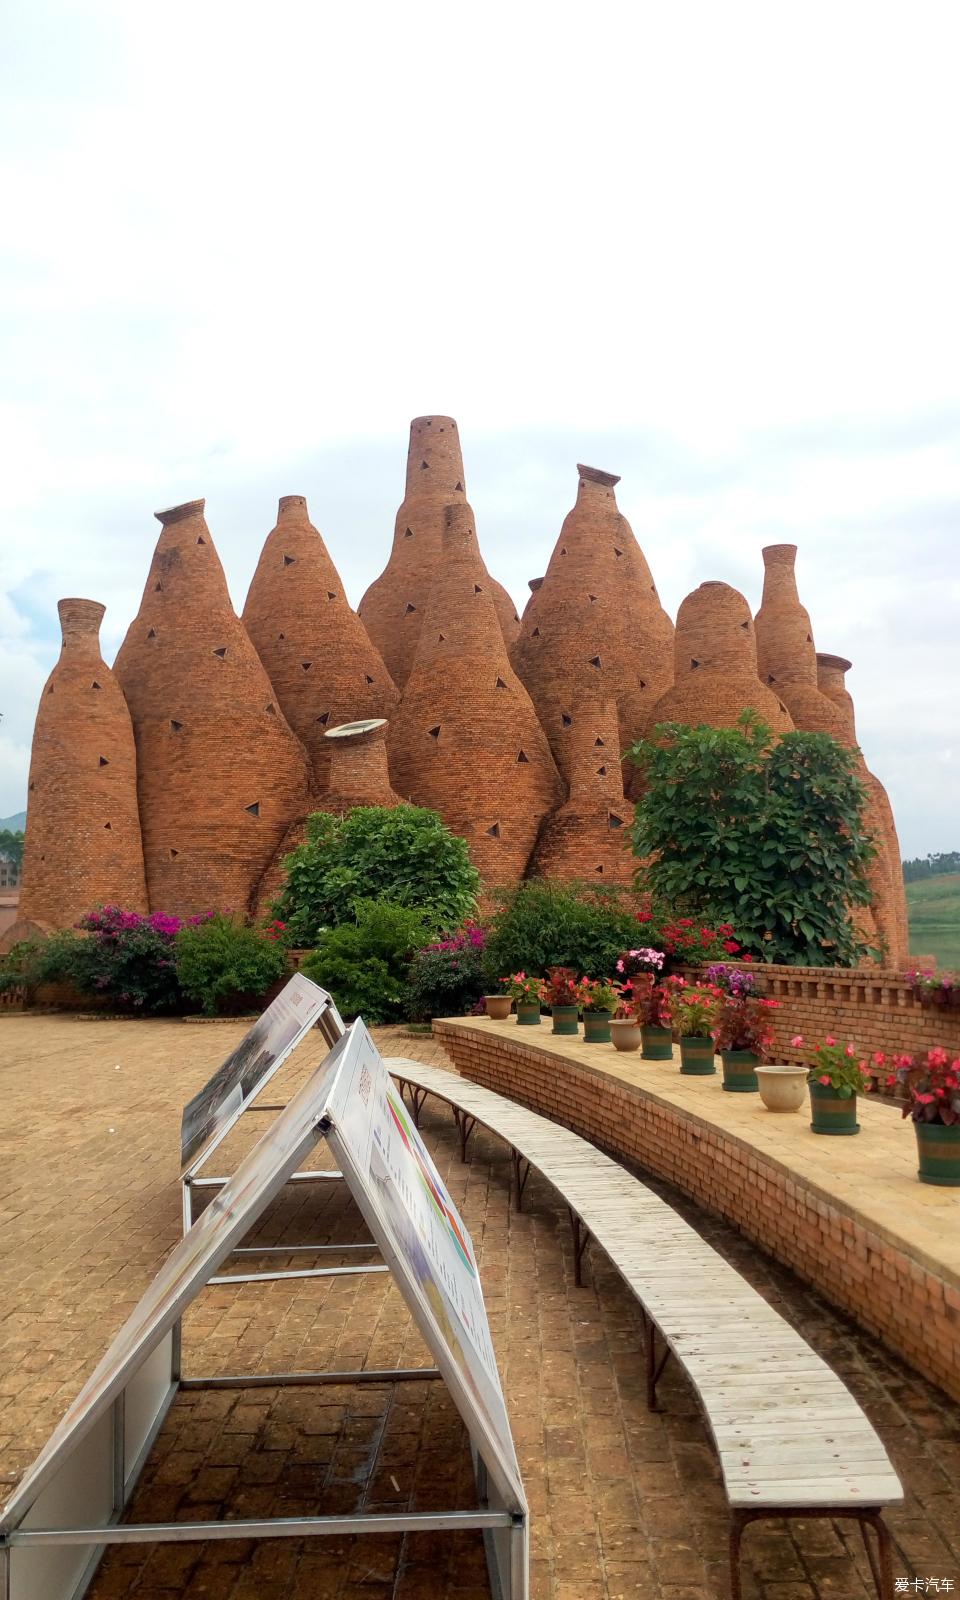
x=623, y=1503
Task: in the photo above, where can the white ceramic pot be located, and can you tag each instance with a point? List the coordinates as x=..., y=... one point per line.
x=625, y=1034
x=782, y=1088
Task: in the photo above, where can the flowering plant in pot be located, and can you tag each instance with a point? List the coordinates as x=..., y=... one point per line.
x=690, y=943
x=599, y=1000
x=932, y=1084
x=652, y=1008
x=934, y=988
x=836, y=1076
x=731, y=980
x=562, y=995
x=743, y=1032
x=694, y=1008
x=526, y=993
x=633, y=963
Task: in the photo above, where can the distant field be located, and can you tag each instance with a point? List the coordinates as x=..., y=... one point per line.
x=934, y=908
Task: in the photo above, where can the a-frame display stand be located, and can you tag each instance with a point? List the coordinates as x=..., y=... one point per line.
x=69, y=1504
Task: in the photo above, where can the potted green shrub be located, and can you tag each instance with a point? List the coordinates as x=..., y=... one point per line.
x=599, y=1001
x=836, y=1076
x=742, y=1033
x=933, y=1102
x=693, y=1011
x=526, y=993
x=561, y=994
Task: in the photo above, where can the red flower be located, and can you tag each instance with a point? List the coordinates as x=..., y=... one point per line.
x=825, y=1078
x=731, y=946
x=746, y=958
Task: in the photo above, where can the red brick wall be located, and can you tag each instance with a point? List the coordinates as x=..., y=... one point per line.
x=894, y=1296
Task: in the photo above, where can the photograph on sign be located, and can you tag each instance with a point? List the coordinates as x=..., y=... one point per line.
x=259, y=1177
x=260, y=1053
x=429, y=1243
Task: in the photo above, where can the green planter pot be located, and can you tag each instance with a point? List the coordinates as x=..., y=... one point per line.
x=939, y=1150
x=740, y=1071
x=657, y=1044
x=696, y=1056
x=565, y=1019
x=596, y=1027
x=528, y=1013
x=830, y=1113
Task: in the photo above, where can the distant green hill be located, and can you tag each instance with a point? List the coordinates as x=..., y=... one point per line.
x=16, y=823
x=933, y=905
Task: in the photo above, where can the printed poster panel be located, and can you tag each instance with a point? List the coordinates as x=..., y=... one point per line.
x=230, y=1215
x=257, y=1057
x=425, y=1241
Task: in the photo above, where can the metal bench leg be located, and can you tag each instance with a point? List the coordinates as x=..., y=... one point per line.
x=737, y=1524
x=519, y=1178
x=581, y=1238
x=654, y=1367
x=465, y=1126
x=881, y=1559
x=417, y=1097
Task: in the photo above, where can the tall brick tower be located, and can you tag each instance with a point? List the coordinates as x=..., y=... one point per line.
x=220, y=774
x=889, y=897
x=395, y=604
x=594, y=626
x=715, y=665
x=82, y=846
x=466, y=740
x=589, y=836
x=316, y=651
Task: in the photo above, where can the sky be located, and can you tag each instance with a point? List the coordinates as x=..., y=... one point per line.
x=713, y=248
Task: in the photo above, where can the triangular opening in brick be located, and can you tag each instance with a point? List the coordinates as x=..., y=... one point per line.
x=566, y=719
x=592, y=598
x=152, y=634
x=478, y=588
x=96, y=685
x=563, y=551
x=174, y=854
x=809, y=638
x=597, y=743
x=424, y=465
x=109, y=825
x=771, y=678
x=458, y=487
x=408, y=533
x=323, y=718
x=598, y=869
x=50, y=690
x=618, y=554
x=289, y=560
x=499, y=684
x=254, y=810
x=409, y=608
x=221, y=651
x=367, y=678
x=271, y=709
x=601, y=772
x=306, y=665
x=175, y=726
x=494, y=832
x=595, y=661
x=643, y=683
x=614, y=821
x=523, y=757
x=694, y=662
x=434, y=732
x=441, y=638
x=745, y=626
x=201, y=539
x=104, y=762
x=535, y=634
x=331, y=595
x=281, y=636
x=158, y=588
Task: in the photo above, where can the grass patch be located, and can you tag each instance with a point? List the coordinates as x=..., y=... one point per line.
x=933, y=906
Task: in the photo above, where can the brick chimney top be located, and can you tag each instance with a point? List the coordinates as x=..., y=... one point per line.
x=190, y=508
x=595, y=475
x=80, y=620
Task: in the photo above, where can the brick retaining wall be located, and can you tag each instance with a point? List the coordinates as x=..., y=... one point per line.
x=895, y=1295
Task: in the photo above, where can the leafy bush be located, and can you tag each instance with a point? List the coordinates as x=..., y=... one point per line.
x=128, y=961
x=52, y=958
x=448, y=978
x=543, y=924
x=218, y=959
x=762, y=834
x=402, y=854
x=365, y=964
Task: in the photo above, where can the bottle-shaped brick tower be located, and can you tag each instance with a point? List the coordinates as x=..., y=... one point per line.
x=466, y=740
x=316, y=651
x=888, y=895
x=589, y=836
x=786, y=653
x=220, y=773
x=82, y=846
x=715, y=665
x=594, y=626
x=394, y=606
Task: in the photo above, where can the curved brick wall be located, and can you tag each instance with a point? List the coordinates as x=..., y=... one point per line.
x=82, y=847
x=715, y=665
x=220, y=774
x=594, y=625
x=395, y=604
x=466, y=740
x=314, y=648
x=909, y=1300
x=589, y=836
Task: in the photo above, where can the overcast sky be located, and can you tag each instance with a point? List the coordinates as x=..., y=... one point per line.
x=712, y=247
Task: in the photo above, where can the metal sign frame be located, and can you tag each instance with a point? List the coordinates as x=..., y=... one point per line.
x=68, y=1506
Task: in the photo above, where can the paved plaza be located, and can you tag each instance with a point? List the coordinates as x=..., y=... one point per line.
x=623, y=1503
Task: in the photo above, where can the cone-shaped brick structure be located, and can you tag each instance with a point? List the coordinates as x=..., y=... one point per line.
x=394, y=607
x=889, y=897
x=466, y=740
x=589, y=836
x=786, y=653
x=82, y=846
x=594, y=625
x=220, y=774
x=316, y=651
x=715, y=665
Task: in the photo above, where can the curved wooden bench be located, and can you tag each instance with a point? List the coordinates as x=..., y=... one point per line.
x=791, y=1439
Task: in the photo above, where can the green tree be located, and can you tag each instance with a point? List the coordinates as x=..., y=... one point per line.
x=404, y=854
x=763, y=833
x=365, y=963
x=11, y=846
x=543, y=924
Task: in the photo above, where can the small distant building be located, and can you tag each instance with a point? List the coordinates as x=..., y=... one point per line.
x=9, y=873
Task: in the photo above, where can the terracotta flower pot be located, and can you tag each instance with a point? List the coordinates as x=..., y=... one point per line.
x=626, y=1034
x=596, y=1027
x=498, y=1006
x=528, y=1013
x=740, y=1071
x=565, y=1019
x=782, y=1088
x=831, y=1114
x=696, y=1056
x=939, y=1150
x=657, y=1044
